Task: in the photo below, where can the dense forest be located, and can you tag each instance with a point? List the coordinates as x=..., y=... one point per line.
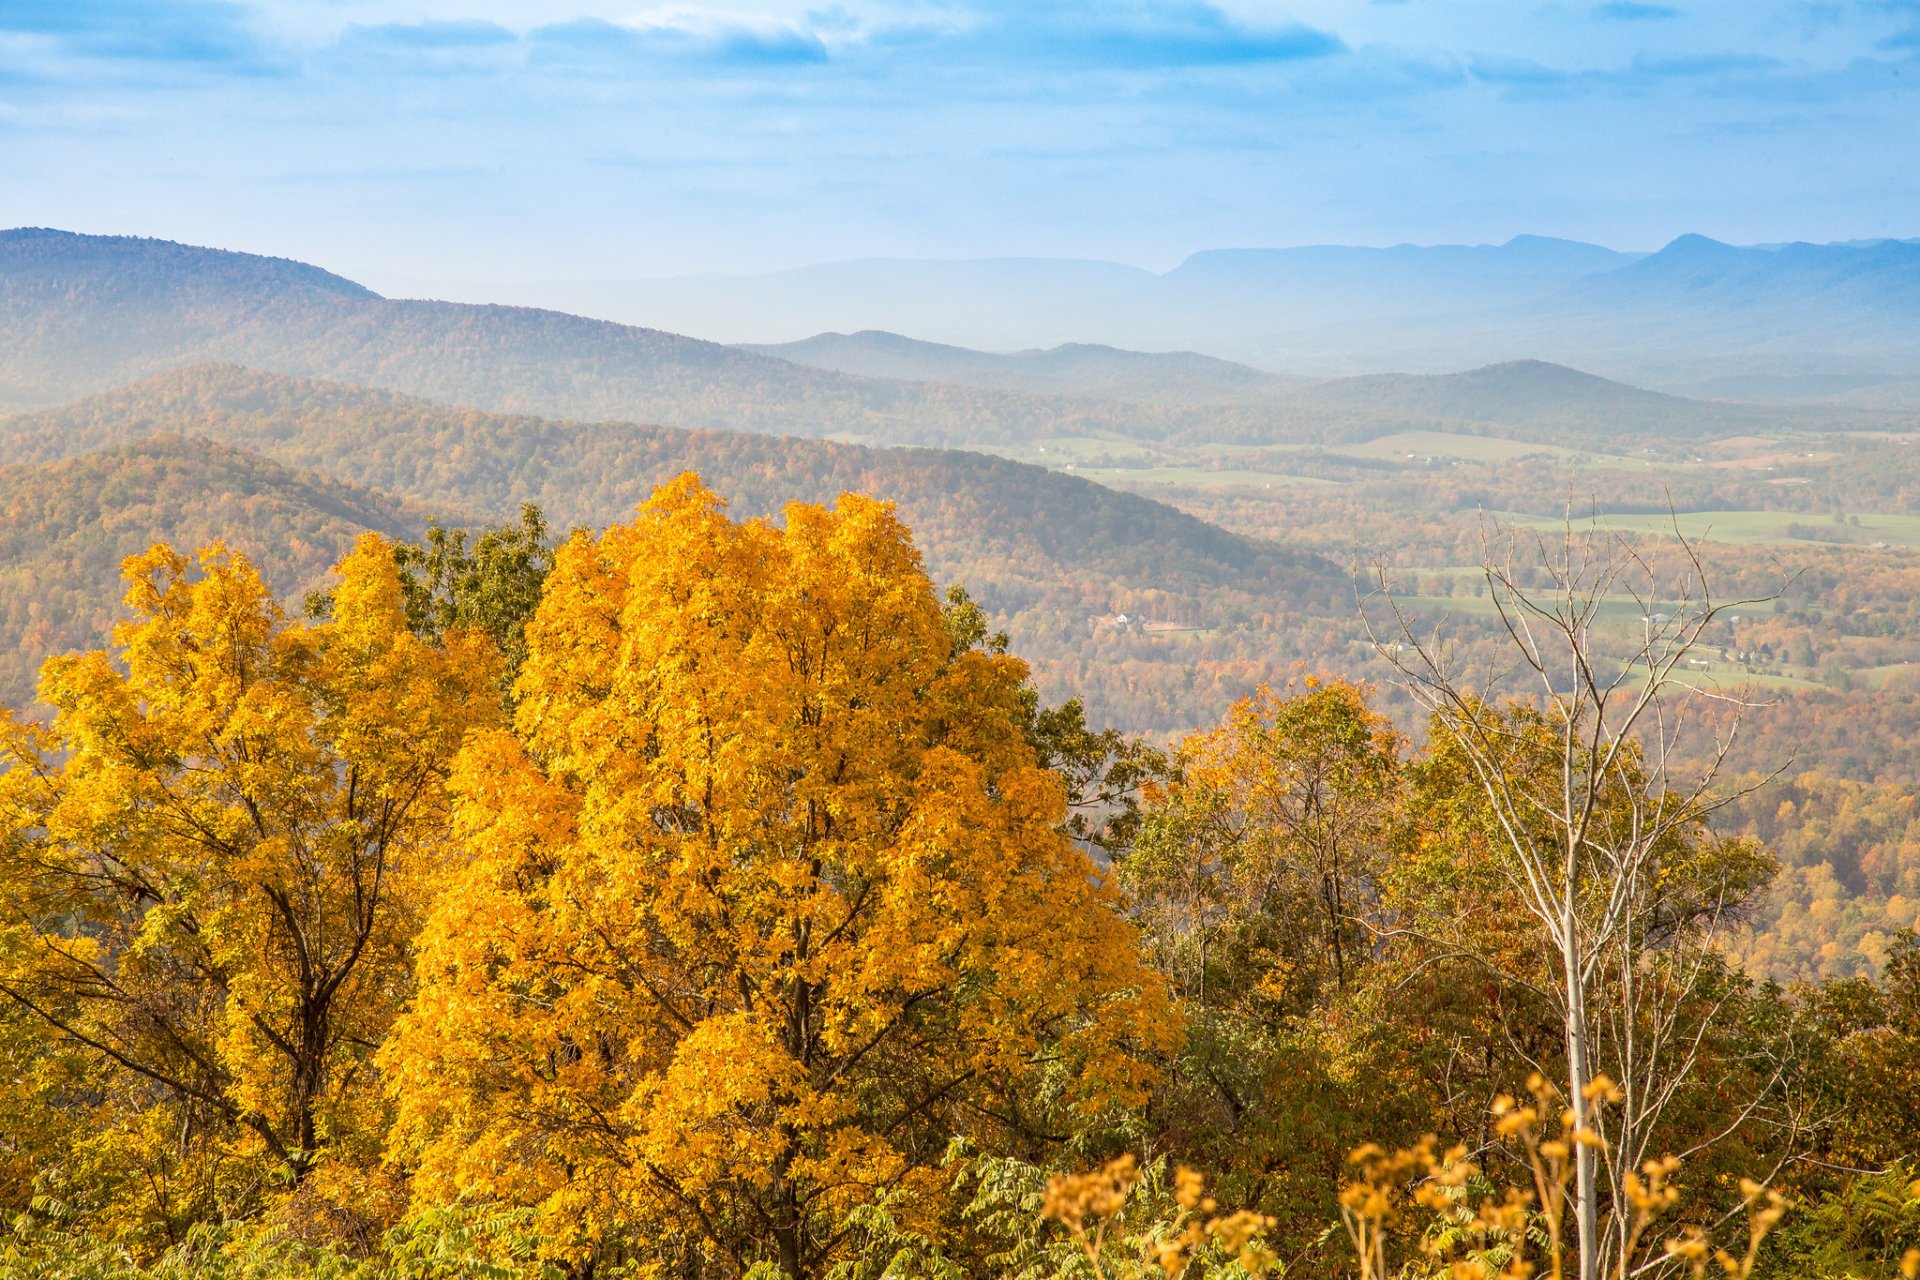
x=1057, y=561
x=712, y=898
x=1046, y=550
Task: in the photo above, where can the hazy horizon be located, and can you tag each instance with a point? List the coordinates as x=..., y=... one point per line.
x=480, y=140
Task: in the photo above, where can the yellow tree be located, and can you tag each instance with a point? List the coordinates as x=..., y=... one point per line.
x=1257, y=853
x=1255, y=862
x=217, y=854
x=768, y=900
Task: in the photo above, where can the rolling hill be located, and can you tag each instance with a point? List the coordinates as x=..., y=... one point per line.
x=1029, y=532
x=1551, y=401
x=1045, y=551
x=65, y=526
x=1072, y=369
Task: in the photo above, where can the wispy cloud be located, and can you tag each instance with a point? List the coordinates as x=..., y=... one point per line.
x=1633, y=11
x=208, y=33
x=684, y=34
x=1148, y=35
x=797, y=129
x=1701, y=65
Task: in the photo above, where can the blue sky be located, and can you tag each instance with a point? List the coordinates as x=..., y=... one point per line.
x=486, y=140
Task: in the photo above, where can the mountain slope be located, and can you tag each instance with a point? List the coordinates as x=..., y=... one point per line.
x=1020, y=535
x=79, y=314
x=1699, y=307
x=1534, y=393
x=1072, y=369
x=1700, y=273
x=66, y=525
x=1324, y=284
x=1048, y=553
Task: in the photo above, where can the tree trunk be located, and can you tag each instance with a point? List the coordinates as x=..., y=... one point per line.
x=1586, y=1206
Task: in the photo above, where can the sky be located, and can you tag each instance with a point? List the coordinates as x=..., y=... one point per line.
x=594, y=139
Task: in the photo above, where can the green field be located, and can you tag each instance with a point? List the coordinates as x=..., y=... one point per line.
x=1058, y=451
x=1621, y=610
x=1446, y=444
x=1752, y=526
x=1191, y=478
x=1730, y=679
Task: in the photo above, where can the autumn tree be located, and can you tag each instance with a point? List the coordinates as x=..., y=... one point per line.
x=216, y=856
x=1104, y=770
x=1256, y=860
x=1258, y=854
x=458, y=579
x=1592, y=805
x=767, y=901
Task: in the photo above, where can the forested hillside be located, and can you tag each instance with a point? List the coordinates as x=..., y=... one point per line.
x=1536, y=393
x=65, y=527
x=1043, y=549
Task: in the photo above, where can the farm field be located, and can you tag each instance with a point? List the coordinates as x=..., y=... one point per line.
x=1861, y=530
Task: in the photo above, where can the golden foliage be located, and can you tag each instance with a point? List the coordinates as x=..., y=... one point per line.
x=217, y=856
x=767, y=900
x=1092, y=1207
x=1518, y=1232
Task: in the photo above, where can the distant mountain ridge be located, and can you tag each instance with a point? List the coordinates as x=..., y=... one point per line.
x=81, y=314
x=1694, y=311
x=1006, y=304
x=1071, y=369
x=1335, y=283
x=1536, y=398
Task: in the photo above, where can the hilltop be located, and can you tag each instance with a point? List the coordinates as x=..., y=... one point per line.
x=1071, y=369
x=66, y=525
x=1043, y=548
x=1552, y=400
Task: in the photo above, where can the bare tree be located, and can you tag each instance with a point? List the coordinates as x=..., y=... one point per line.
x=1574, y=734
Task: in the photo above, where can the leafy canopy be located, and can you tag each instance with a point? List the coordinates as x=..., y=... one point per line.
x=768, y=899
x=217, y=855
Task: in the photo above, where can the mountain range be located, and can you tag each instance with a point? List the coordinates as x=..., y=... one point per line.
x=1071, y=369
x=82, y=314
x=1693, y=316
